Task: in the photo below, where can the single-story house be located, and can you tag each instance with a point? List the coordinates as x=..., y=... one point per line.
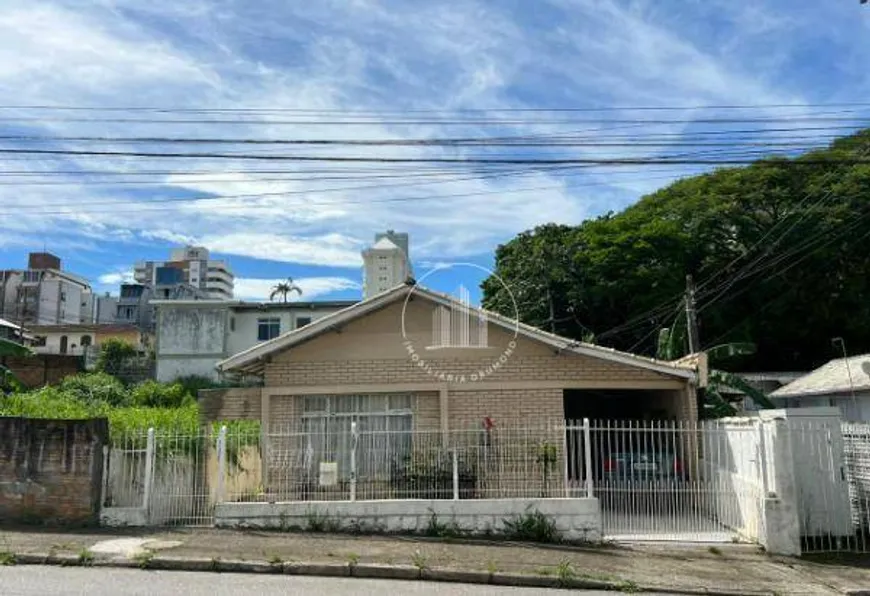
x=842, y=383
x=414, y=359
x=79, y=339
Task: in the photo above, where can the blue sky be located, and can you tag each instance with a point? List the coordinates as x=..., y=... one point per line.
x=371, y=55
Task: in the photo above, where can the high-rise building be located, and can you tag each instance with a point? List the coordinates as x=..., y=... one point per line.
x=44, y=294
x=189, y=273
x=385, y=263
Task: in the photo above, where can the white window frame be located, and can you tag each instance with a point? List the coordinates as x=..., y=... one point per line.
x=268, y=322
x=384, y=433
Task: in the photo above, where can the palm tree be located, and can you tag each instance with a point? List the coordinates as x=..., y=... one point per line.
x=7, y=379
x=284, y=289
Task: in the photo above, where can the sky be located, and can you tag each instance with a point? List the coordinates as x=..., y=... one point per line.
x=369, y=70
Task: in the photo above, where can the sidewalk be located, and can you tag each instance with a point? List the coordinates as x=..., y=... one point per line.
x=698, y=569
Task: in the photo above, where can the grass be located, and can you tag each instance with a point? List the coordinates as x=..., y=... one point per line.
x=491, y=567
x=7, y=558
x=565, y=573
x=532, y=526
x=352, y=559
x=86, y=557
x=143, y=559
x=418, y=560
x=438, y=529
x=275, y=560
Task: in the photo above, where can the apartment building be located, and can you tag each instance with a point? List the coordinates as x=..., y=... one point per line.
x=188, y=274
x=44, y=294
x=386, y=263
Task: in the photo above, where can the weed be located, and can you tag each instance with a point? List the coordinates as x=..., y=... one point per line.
x=714, y=550
x=438, y=529
x=545, y=571
x=352, y=559
x=531, y=526
x=143, y=559
x=275, y=560
x=628, y=587
x=419, y=560
x=86, y=557
x=7, y=558
x=215, y=564
x=332, y=525
x=491, y=567
x=317, y=522
x=565, y=573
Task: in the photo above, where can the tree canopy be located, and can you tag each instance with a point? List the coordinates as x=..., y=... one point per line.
x=780, y=252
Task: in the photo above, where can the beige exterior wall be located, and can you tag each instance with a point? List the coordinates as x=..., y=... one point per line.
x=370, y=356
x=372, y=350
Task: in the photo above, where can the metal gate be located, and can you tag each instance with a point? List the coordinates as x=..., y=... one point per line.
x=160, y=477
x=672, y=480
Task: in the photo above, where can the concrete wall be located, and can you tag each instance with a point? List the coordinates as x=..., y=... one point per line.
x=43, y=369
x=190, y=340
x=51, y=470
x=576, y=519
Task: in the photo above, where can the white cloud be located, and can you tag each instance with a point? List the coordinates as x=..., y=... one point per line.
x=115, y=278
x=331, y=250
x=312, y=287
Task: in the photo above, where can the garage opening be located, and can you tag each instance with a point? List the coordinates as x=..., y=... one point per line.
x=643, y=463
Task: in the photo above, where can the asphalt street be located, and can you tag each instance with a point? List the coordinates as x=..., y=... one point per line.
x=34, y=580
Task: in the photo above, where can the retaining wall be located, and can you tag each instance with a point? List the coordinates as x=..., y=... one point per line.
x=576, y=519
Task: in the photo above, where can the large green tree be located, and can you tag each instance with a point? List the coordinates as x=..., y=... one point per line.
x=780, y=251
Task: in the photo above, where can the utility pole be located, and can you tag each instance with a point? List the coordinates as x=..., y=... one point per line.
x=692, y=316
x=552, y=310
x=842, y=342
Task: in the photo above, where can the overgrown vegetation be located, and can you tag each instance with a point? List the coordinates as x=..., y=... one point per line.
x=170, y=408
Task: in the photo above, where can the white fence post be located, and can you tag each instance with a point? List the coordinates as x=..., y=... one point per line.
x=222, y=465
x=587, y=456
x=354, y=435
x=762, y=460
x=565, y=459
x=149, y=472
x=104, y=492
x=455, y=475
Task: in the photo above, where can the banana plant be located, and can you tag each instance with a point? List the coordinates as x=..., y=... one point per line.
x=671, y=345
x=8, y=380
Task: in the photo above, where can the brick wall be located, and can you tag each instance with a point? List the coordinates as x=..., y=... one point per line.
x=234, y=403
x=569, y=367
x=43, y=369
x=51, y=470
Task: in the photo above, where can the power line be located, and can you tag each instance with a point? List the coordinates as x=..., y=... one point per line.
x=412, y=160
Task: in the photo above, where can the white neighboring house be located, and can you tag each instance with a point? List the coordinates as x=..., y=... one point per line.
x=385, y=264
x=843, y=383
x=191, y=336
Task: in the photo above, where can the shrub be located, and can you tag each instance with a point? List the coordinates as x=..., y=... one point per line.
x=152, y=394
x=114, y=354
x=193, y=383
x=95, y=389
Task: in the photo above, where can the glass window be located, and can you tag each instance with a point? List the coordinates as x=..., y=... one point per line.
x=85, y=341
x=268, y=328
x=384, y=424
x=302, y=321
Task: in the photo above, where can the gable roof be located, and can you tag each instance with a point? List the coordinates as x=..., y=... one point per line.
x=384, y=244
x=833, y=377
x=252, y=360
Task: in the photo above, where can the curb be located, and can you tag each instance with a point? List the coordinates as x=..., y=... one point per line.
x=365, y=570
